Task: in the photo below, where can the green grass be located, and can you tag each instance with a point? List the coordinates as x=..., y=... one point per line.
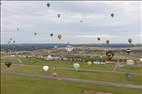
x=24, y=85
x=100, y=76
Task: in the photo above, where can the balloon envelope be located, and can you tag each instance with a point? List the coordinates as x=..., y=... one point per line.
x=51, y=34
x=45, y=68
x=89, y=63
x=76, y=66
x=112, y=14
x=48, y=4
x=98, y=38
x=59, y=36
x=58, y=15
x=8, y=64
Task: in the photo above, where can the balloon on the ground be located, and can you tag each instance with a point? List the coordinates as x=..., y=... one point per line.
x=128, y=74
x=45, y=68
x=8, y=64
x=59, y=36
x=89, y=63
x=54, y=74
x=76, y=66
x=69, y=48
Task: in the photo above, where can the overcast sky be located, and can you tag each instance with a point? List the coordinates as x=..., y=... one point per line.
x=34, y=16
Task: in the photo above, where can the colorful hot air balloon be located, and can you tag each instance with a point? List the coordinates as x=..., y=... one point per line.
x=76, y=66
x=58, y=15
x=112, y=15
x=8, y=64
x=48, y=4
x=130, y=40
x=59, y=36
x=109, y=55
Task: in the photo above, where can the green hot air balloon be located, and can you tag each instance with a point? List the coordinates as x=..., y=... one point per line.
x=76, y=66
x=89, y=63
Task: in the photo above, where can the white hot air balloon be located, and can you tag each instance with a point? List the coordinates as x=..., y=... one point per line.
x=45, y=68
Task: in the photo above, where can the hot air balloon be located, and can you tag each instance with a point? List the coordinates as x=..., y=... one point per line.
x=35, y=33
x=51, y=34
x=130, y=40
x=81, y=21
x=69, y=48
x=128, y=74
x=8, y=64
x=54, y=74
x=10, y=39
x=98, y=38
x=109, y=55
x=112, y=15
x=89, y=63
x=107, y=42
x=17, y=29
x=59, y=36
x=58, y=15
x=48, y=4
x=13, y=41
x=76, y=66
x=128, y=51
x=45, y=68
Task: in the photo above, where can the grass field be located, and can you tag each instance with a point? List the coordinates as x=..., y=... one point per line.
x=28, y=85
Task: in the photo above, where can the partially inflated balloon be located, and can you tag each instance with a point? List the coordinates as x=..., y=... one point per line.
x=45, y=68
x=76, y=66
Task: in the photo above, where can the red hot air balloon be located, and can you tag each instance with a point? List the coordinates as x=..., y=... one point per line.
x=109, y=55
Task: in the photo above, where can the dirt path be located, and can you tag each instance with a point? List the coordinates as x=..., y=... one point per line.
x=74, y=80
